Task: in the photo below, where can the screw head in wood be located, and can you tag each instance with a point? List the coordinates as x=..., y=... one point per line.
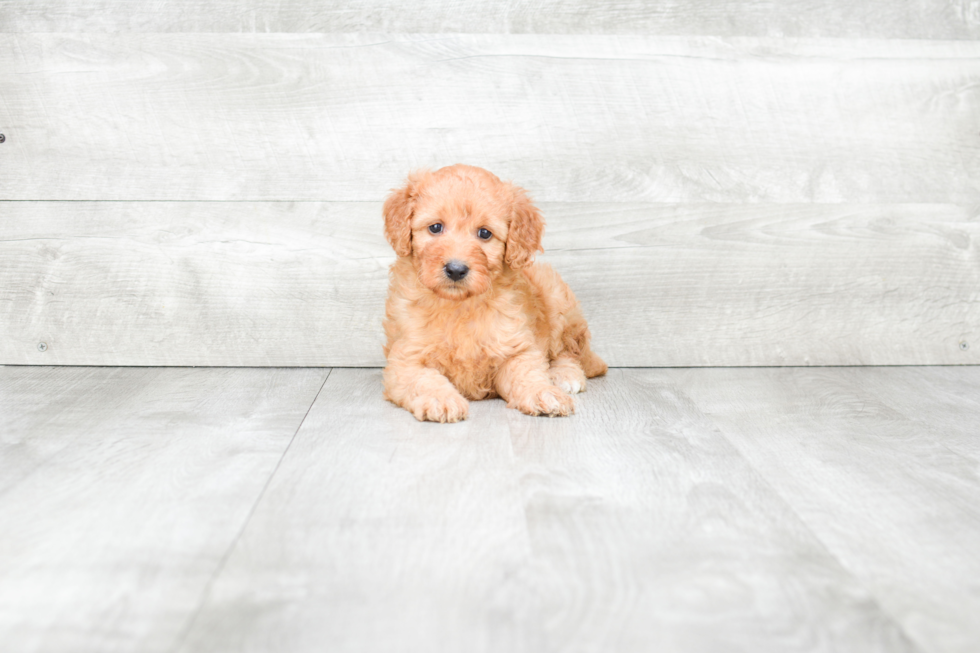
x=2, y=138
x=964, y=345
x=42, y=346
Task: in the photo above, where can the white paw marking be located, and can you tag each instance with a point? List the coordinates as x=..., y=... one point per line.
x=572, y=387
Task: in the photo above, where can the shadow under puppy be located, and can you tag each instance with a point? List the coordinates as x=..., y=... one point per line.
x=469, y=314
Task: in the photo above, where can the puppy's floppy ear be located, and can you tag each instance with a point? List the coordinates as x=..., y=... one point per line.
x=524, y=231
x=398, y=209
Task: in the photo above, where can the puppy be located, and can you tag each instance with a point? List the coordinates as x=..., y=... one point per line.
x=469, y=314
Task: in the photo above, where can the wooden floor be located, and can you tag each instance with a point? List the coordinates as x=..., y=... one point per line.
x=742, y=509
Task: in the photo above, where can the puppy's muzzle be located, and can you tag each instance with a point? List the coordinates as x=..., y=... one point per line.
x=456, y=270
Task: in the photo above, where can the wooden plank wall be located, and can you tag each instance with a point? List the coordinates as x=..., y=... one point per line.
x=726, y=183
x=905, y=19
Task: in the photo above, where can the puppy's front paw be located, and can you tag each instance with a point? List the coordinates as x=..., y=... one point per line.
x=569, y=379
x=549, y=400
x=446, y=407
x=566, y=372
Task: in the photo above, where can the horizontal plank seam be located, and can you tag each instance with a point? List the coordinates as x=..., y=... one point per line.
x=181, y=639
x=630, y=202
x=612, y=367
x=179, y=201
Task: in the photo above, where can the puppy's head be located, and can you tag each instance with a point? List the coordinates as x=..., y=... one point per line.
x=462, y=227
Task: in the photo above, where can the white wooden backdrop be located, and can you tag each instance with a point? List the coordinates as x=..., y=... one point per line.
x=725, y=183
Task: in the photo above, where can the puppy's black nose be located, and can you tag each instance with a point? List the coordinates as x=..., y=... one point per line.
x=456, y=270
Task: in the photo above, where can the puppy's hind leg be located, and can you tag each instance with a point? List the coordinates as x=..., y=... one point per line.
x=567, y=374
x=592, y=365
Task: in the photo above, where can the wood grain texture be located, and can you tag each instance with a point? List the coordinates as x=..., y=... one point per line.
x=299, y=284
x=194, y=283
x=678, y=510
x=571, y=118
x=890, y=490
x=651, y=533
x=121, y=490
x=378, y=533
x=957, y=19
x=633, y=526
x=940, y=400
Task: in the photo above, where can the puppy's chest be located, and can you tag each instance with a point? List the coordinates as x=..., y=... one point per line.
x=474, y=338
x=469, y=346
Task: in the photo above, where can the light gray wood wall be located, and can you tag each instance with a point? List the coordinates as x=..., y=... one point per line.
x=277, y=283
x=928, y=19
x=571, y=118
x=717, y=193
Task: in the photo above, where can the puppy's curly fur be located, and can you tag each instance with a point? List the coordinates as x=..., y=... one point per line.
x=469, y=314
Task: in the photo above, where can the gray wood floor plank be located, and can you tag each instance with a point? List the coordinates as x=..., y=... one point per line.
x=209, y=283
x=121, y=491
x=694, y=510
x=650, y=532
x=942, y=401
x=896, y=499
x=573, y=118
x=633, y=526
x=789, y=18
x=378, y=533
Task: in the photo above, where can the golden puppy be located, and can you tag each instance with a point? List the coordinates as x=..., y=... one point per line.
x=469, y=314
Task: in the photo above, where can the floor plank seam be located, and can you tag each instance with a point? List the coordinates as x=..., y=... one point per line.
x=182, y=638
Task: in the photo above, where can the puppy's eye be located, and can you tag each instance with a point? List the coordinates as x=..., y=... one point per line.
x=435, y=228
x=484, y=234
